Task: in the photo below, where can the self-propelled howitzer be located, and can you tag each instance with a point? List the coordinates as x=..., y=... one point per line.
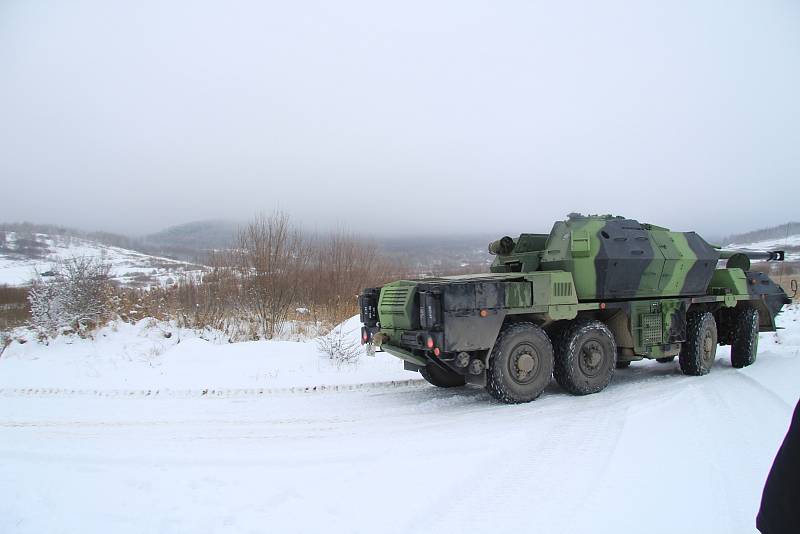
x=595, y=294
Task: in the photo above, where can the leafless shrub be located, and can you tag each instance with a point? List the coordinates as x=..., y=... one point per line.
x=340, y=346
x=77, y=297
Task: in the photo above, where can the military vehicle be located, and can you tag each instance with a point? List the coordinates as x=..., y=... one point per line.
x=592, y=296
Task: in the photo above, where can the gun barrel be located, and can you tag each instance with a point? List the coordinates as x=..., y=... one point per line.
x=769, y=255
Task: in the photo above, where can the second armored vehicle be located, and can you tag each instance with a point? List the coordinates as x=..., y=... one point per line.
x=595, y=294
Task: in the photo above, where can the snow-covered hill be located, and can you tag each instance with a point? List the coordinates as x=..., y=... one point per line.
x=21, y=255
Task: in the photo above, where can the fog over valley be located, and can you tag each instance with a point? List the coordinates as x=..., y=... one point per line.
x=446, y=119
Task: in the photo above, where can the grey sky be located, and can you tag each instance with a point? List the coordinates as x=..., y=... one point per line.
x=399, y=117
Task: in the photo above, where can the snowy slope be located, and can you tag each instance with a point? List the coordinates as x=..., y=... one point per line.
x=128, y=267
x=656, y=452
x=140, y=358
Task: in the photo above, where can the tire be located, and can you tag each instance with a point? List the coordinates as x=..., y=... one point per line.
x=744, y=346
x=700, y=348
x=586, y=354
x=521, y=364
x=666, y=359
x=622, y=365
x=442, y=378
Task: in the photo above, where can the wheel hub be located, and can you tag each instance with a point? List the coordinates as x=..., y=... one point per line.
x=591, y=357
x=525, y=364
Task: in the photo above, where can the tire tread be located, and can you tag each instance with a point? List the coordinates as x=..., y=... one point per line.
x=690, y=358
x=496, y=387
x=565, y=363
x=744, y=345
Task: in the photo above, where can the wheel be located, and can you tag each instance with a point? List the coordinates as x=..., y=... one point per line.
x=521, y=364
x=744, y=345
x=666, y=359
x=700, y=348
x=442, y=378
x=622, y=365
x=585, y=356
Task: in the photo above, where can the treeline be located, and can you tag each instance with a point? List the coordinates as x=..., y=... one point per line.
x=106, y=238
x=276, y=276
x=773, y=232
x=197, y=242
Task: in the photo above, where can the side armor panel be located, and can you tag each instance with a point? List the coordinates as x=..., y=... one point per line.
x=612, y=258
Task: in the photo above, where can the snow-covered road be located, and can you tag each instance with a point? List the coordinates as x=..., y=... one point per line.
x=655, y=452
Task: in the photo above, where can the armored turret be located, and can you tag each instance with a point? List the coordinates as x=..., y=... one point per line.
x=617, y=258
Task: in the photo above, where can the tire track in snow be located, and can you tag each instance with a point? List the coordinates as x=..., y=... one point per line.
x=723, y=416
x=768, y=393
x=501, y=481
x=208, y=392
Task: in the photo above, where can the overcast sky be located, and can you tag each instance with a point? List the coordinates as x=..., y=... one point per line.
x=403, y=117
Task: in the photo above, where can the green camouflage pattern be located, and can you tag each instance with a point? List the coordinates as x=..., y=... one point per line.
x=640, y=279
x=616, y=258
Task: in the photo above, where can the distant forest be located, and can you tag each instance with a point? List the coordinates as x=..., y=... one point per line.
x=774, y=232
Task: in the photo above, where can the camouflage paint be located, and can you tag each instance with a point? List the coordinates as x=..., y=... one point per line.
x=616, y=258
x=518, y=295
x=731, y=281
x=595, y=264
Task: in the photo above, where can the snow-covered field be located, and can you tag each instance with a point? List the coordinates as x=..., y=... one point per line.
x=655, y=452
x=128, y=359
x=127, y=266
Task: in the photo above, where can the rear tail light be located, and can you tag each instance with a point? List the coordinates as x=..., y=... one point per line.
x=436, y=352
x=429, y=343
x=364, y=335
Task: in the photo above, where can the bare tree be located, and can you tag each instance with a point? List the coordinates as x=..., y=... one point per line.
x=271, y=259
x=341, y=265
x=252, y=291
